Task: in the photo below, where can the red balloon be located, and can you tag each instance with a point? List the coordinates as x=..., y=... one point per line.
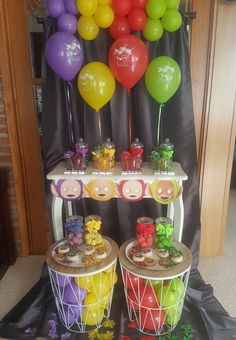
x=137, y=19
x=128, y=60
x=132, y=300
x=152, y=319
x=144, y=297
x=141, y=4
x=121, y=7
x=132, y=281
x=119, y=27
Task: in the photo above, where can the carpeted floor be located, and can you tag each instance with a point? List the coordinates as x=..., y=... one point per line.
x=220, y=271
x=215, y=270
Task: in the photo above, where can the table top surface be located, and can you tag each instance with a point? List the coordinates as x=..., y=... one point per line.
x=146, y=175
x=82, y=271
x=145, y=272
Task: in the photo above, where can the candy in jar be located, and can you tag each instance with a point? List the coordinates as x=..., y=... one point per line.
x=74, y=230
x=109, y=153
x=164, y=232
x=93, y=235
x=80, y=157
x=145, y=232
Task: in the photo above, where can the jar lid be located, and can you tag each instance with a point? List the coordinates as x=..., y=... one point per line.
x=108, y=144
x=145, y=220
x=167, y=145
x=136, y=144
x=81, y=144
x=92, y=217
x=74, y=218
x=164, y=220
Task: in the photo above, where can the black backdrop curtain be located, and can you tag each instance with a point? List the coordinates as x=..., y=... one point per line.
x=31, y=317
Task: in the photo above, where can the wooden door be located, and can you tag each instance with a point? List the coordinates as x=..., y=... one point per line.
x=22, y=125
x=213, y=63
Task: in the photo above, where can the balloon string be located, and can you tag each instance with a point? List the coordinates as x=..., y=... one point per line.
x=159, y=124
x=129, y=117
x=69, y=113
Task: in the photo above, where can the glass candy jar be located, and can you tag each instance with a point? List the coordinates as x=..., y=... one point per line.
x=92, y=228
x=108, y=150
x=164, y=233
x=166, y=160
x=136, y=149
x=80, y=157
x=68, y=159
x=145, y=232
x=74, y=231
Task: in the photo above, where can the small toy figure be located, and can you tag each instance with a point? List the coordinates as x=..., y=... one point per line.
x=68, y=189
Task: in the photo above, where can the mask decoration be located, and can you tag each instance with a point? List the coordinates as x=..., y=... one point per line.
x=68, y=189
x=101, y=189
x=132, y=190
x=165, y=192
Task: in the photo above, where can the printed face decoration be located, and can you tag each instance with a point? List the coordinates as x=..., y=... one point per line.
x=69, y=189
x=165, y=192
x=131, y=190
x=101, y=189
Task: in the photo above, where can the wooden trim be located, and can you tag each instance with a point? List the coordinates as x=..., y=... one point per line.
x=199, y=62
x=219, y=130
x=12, y=111
x=16, y=69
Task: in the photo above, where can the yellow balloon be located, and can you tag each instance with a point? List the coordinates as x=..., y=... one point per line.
x=104, y=16
x=92, y=301
x=83, y=282
x=96, y=84
x=87, y=7
x=101, y=285
x=87, y=28
x=92, y=316
x=105, y=2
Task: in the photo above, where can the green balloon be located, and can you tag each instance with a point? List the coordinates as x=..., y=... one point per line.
x=153, y=29
x=172, y=3
x=162, y=78
x=155, y=8
x=171, y=20
x=173, y=315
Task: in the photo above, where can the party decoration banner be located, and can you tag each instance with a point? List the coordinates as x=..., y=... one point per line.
x=101, y=189
x=69, y=189
x=165, y=192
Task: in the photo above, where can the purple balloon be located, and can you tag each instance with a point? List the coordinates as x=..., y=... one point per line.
x=74, y=294
x=73, y=313
x=64, y=54
x=55, y=8
x=71, y=7
x=67, y=23
x=61, y=280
